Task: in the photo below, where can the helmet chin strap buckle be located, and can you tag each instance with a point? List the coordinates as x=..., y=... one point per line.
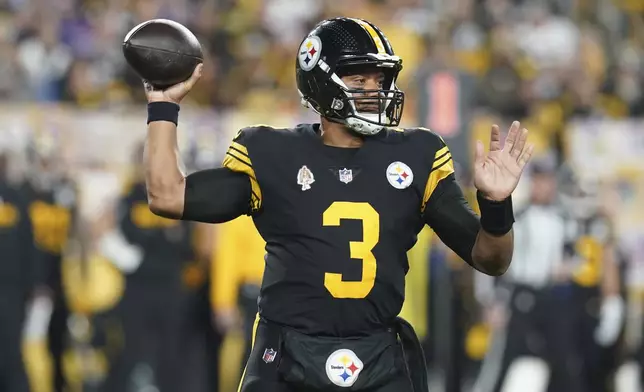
x=337, y=104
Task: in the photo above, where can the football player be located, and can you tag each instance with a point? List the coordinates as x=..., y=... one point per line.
x=152, y=307
x=339, y=203
x=19, y=273
x=53, y=212
x=597, y=304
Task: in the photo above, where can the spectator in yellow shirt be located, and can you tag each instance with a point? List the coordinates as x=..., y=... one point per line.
x=238, y=267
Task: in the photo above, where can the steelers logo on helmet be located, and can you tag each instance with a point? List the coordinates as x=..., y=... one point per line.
x=309, y=53
x=399, y=175
x=343, y=368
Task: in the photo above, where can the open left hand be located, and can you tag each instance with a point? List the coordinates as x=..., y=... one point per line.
x=497, y=174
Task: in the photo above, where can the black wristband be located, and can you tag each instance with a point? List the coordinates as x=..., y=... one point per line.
x=163, y=111
x=497, y=217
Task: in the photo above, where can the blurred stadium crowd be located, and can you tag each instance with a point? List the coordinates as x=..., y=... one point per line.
x=121, y=300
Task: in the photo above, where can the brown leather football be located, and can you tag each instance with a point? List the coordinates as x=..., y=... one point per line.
x=162, y=52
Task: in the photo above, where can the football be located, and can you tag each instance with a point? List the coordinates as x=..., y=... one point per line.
x=162, y=52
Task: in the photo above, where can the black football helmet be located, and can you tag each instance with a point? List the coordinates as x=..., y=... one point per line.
x=45, y=168
x=327, y=52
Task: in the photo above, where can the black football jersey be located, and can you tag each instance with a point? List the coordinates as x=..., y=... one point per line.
x=19, y=266
x=337, y=222
x=52, y=213
x=166, y=243
x=584, y=246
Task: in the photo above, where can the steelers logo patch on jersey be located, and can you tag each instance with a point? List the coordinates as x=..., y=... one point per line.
x=309, y=53
x=399, y=175
x=343, y=367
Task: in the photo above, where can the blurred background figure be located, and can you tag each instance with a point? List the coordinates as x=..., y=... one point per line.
x=53, y=212
x=522, y=308
x=18, y=273
x=597, y=302
x=238, y=267
x=71, y=123
x=151, y=309
x=200, y=339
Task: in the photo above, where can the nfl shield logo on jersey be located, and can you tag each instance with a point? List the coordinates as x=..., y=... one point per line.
x=269, y=355
x=346, y=175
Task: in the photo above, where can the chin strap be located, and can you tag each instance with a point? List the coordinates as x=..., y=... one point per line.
x=362, y=127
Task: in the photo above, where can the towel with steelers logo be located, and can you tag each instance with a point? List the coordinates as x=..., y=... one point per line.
x=327, y=362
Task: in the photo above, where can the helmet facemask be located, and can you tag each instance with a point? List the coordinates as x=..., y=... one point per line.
x=365, y=111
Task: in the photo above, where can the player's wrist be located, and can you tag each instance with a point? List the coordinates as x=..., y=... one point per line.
x=163, y=111
x=497, y=217
x=491, y=197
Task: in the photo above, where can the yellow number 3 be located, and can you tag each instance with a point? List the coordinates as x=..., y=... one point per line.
x=358, y=249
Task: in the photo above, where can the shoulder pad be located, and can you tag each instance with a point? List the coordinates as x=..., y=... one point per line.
x=258, y=135
x=420, y=137
x=427, y=135
x=438, y=159
x=247, y=147
x=246, y=133
x=427, y=142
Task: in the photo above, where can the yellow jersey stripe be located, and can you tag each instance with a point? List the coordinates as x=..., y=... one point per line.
x=239, y=155
x=441, y=159
x=374, y=35
x=239, y=147
x=230, y=157
x=252, y=346
x=442, y=167
x=234, y=163
x=440, y=153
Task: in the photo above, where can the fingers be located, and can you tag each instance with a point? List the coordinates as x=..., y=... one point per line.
x=525, y=156
x=174, y=93
x=519, y=144
x=196, y=75
x=512, y=136
x=147, y=86
x=495, y=138
x=480, y=153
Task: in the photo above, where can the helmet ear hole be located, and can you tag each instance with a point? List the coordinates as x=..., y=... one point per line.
x=337, y=104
